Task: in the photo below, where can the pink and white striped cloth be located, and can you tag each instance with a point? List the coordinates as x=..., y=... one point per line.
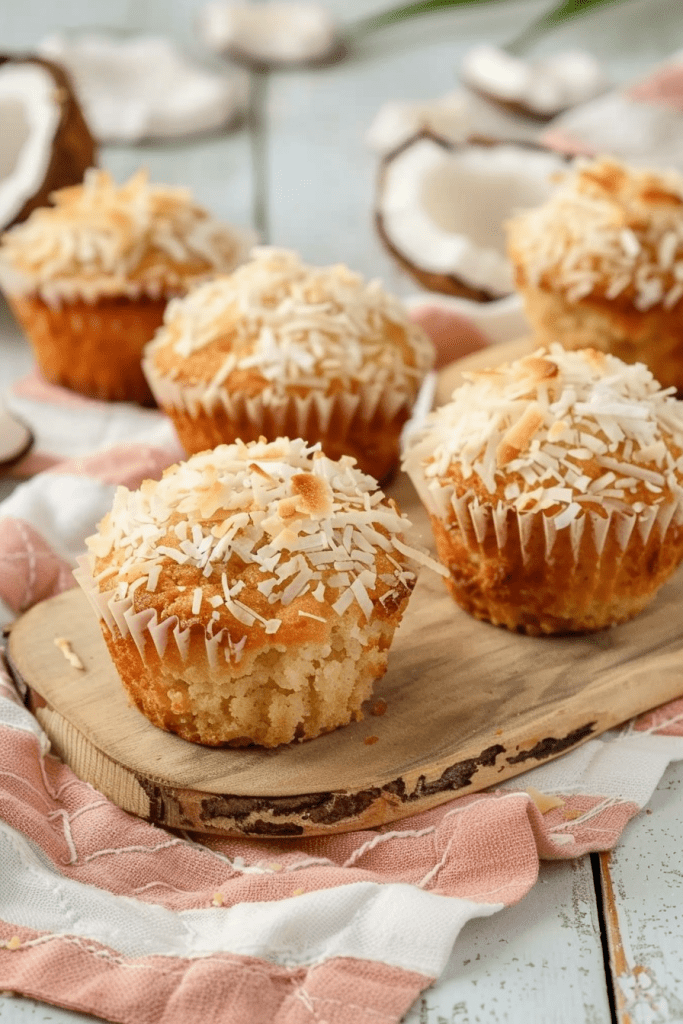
x=104, y=913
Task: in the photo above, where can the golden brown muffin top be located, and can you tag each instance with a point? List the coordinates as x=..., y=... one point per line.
x=278, y=323
x=260, y=535
x=559, y=431
x=100, y=239
x=609, y=232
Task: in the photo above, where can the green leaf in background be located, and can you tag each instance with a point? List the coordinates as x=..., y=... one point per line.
x=552, y=19
x=406, y=11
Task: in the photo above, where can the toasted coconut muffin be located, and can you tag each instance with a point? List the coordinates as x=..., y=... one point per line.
x=600, y=264
x=89, y=277
x=251, y=595
x=555, y=490
x=281, y=348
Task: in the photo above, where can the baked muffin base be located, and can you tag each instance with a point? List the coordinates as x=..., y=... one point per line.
x=93, y=348
x=653, y=337
x=373, y=443
x=272, y=696
x=571, y=584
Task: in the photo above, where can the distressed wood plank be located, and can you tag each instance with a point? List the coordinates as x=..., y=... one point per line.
x=540, y=960
x=642, y=885
x=469, y=705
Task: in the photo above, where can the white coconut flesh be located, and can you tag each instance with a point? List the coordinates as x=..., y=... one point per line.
x=30, y=114
x=275, y=32
x=15, y=437
x=442, y=209
x=142, y=87
x=542, y=88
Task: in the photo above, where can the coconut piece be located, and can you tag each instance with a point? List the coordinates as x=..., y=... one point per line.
x=441, y=208
x=454, y=116
x=46, y=143
x=15, y=438
x=269, y=34
x=541, y=88
x=143, y=87
x=396, y=121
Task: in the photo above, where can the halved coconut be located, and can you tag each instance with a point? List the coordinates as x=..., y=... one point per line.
x=441, y=208
x=269, y=34
x=15, y=438
x=455, y=116
x=143, y=87
x=46, y=143
x=542, y=88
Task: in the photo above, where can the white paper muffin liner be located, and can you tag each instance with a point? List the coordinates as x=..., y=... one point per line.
x=369, y=402
x=474, y=518
x=118, y=616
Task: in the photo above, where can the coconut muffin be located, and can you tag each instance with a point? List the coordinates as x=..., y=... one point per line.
x=282, y=348
x=555, y=490
x=89, y=277
x=600, y=264
x=251, y=595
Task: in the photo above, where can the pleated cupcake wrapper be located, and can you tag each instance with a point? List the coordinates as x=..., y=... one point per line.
x=119, y=616
x=385, y=401
x=475, y=517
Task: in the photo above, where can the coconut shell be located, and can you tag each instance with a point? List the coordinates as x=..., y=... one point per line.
x=434, y=281
x=73, y=147
x=16, y=439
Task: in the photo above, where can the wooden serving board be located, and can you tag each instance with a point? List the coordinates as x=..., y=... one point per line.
x=468, y=705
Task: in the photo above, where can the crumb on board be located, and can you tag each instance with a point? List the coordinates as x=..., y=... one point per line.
x=369, y=740
x=67, y=650
x=13, y=943
x=544, y=801
x=218, y=899
x=379, y=707
x=572, y=813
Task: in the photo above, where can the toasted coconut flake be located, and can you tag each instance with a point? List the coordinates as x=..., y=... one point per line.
x=100, y=239
x=603, y=234
x=67, y=650
x=519, y=435
x=328, y=551
x=544, y=801
x=611, y=408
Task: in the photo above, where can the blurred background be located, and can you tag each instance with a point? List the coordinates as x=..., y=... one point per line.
x=294, y=158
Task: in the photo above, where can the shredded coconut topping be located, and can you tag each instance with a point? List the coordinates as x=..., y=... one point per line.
x=609, y=231
x=593, y=435
x=100, y=239
x=264, y=524
x=290, y=324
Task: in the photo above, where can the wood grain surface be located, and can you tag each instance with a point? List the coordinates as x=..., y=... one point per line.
x=468, y=705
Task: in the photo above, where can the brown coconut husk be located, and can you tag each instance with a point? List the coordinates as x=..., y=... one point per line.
x=73, y=147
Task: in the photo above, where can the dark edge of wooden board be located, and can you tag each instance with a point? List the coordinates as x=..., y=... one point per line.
x=319, y=813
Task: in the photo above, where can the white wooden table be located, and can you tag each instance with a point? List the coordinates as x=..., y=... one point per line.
x=597, y=939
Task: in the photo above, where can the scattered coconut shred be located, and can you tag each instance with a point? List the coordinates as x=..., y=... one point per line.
x=67, y=650
x=608, y=231
x=308, y=524
x=100, y=239
x=571, y=432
